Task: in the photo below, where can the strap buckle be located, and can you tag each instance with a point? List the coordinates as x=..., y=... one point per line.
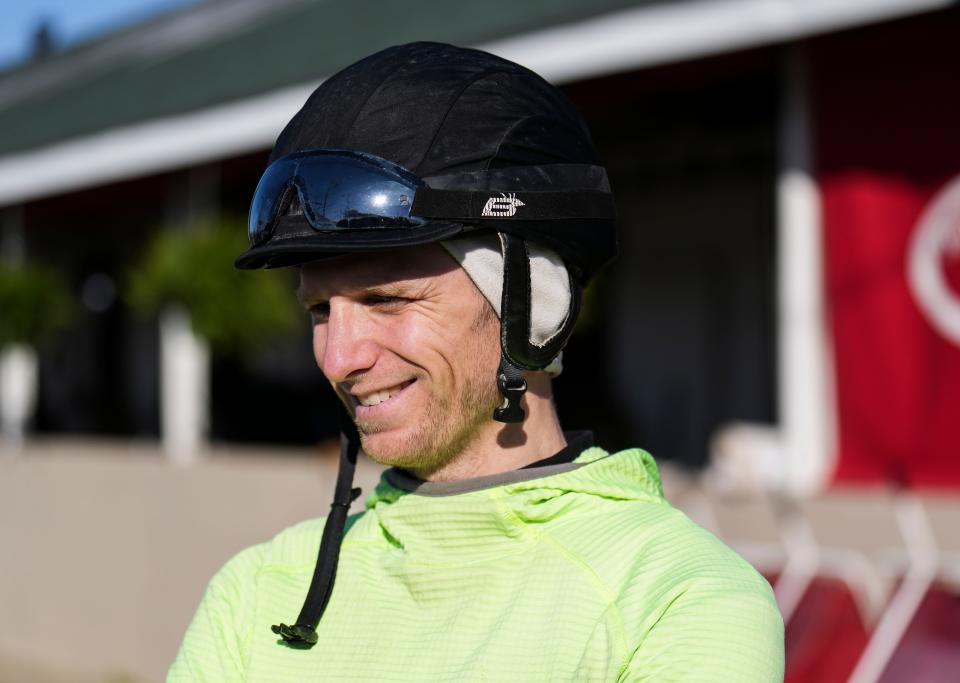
x=512, y=387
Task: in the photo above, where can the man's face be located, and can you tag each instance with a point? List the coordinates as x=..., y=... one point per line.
x=410, y=346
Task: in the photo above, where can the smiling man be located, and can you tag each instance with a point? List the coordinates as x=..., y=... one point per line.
x=408, y=342
x=446, y=208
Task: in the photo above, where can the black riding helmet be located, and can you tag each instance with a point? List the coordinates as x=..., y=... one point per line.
x=421, y=143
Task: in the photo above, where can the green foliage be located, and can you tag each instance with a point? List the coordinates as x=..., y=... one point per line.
x=233, y=310
x=34, y=304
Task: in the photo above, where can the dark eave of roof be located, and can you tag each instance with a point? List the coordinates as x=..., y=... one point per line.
x=220, y=79
x=225, y=50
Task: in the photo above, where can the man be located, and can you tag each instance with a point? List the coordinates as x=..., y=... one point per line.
x=445, y=208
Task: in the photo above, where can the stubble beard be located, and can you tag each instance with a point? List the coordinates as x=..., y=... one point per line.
x=449, y=426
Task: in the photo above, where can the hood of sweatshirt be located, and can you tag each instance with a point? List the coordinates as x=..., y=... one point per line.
x=495, y=514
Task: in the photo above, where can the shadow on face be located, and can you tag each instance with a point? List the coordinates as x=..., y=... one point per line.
x=358, y=270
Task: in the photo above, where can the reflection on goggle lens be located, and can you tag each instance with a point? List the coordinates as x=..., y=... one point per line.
x=336, y=190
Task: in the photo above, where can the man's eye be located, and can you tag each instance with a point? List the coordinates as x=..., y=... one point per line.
x=386, y=302
x=320, y=311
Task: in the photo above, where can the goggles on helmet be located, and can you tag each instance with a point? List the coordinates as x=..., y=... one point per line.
x=331, y=200
x=334, y=190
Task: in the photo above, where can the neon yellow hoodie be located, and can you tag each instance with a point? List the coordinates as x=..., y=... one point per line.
x=579, y=571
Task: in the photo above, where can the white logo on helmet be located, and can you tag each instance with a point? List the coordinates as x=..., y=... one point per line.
x=933, y=258
x=504, y=205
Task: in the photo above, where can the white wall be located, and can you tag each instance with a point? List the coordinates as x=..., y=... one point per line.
x=105, y=548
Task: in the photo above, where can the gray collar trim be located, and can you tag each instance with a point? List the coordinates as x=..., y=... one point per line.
x=406, y=482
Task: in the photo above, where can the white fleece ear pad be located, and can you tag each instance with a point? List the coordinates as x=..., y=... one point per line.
x=481, y=257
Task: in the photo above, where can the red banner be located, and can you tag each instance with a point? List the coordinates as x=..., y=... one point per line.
x=887, y=121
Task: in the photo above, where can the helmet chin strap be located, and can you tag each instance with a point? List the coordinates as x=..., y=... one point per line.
x=534, y=295
x=303, y=634
x=517, y=352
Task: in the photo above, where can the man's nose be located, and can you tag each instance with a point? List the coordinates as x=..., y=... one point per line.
x=344, y=344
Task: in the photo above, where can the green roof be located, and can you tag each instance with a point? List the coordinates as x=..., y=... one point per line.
x=228, y=50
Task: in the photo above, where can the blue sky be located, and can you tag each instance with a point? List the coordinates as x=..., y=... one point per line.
x=71, y=20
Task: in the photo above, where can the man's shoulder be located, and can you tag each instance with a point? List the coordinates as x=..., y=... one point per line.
x=651, y=533
x=642, y=540
x=658, y=529
x=693, y=608
x=651, y=560
x=682, y=551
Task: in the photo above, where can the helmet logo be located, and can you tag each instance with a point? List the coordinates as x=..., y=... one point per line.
x=504, y=205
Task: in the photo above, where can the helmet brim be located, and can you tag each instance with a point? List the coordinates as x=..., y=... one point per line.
x=279, y=251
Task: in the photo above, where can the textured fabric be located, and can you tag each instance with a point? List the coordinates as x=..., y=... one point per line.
x=482, y=258
x=456, y=118
x=586, y=575
x=435, y=109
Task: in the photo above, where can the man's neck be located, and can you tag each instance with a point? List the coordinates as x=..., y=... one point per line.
x=502, y=447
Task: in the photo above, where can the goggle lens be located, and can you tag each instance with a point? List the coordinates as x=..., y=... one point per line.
x=336, y=190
